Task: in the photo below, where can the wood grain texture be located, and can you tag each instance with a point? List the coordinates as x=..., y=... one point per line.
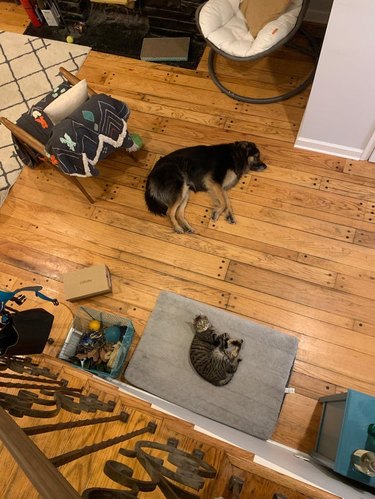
x=87, y=471
x=42, y=474
x=301, y=257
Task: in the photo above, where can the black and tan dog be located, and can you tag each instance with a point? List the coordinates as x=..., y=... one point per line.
x=214, y=169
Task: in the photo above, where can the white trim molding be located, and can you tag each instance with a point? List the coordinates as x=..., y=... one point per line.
x=369, y=150
x=328, y=148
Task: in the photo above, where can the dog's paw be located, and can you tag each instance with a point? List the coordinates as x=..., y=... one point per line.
x=185, y=229
x=216, y=215
x=230, y=218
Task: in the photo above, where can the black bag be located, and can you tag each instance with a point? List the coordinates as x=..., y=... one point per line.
x=27, y=333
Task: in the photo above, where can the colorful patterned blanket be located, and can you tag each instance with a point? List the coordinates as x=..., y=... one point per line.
x=77, y=143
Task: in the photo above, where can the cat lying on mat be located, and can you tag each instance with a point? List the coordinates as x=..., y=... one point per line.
x=214, y=356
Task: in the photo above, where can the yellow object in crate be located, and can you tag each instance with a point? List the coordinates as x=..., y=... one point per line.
x=94, y=325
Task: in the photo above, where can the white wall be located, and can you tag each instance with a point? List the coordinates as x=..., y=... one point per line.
x=340, y=114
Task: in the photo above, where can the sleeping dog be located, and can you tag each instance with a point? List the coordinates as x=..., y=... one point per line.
x=214, y=169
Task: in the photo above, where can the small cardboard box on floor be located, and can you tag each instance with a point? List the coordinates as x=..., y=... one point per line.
x=90, y=281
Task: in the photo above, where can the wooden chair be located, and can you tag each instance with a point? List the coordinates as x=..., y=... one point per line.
x=37, y=148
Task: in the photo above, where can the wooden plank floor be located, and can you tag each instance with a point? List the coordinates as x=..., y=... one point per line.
x=87, y=470
x=301, y=257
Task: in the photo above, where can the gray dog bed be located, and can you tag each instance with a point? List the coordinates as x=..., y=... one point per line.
x=250, y=402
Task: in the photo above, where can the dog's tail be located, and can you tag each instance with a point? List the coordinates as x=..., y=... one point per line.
x=153, y=204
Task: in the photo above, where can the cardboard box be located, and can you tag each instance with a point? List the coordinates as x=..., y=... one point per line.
x=87, y=282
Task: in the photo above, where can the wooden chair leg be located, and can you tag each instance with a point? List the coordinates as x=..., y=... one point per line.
x=78, y=184
x=23, y=136
x=133, y=156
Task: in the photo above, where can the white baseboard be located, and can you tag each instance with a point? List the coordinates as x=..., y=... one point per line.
x=328, y=148
x=268, y=453
x=283, y=471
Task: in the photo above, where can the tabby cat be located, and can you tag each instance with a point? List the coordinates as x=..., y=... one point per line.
x=213, y=355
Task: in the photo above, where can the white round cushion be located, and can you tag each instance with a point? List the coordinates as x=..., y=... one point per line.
x=223, y=24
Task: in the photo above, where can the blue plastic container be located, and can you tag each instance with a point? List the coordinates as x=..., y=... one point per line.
x=109, y=321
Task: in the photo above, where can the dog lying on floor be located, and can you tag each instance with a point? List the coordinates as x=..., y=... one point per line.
x=214, y=169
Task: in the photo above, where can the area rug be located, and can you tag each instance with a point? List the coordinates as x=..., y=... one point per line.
x=250, y=402
x=29, y=69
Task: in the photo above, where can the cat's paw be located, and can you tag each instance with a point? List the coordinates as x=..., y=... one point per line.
x=224, y=340
x=235, y=342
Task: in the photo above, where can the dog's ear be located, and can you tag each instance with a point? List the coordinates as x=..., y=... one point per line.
x=252, y=149
x=249, y=147
x=243, y=144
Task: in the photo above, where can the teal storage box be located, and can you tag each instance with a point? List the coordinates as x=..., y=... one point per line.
x=344, y=429
x=101, y=351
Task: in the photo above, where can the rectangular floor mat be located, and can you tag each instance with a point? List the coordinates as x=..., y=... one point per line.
x=250, y=402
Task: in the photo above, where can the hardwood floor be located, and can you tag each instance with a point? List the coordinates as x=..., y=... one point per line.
x=102, y=444
x=300, y=259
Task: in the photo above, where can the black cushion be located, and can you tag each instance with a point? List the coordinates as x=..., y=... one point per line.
x=27, y=334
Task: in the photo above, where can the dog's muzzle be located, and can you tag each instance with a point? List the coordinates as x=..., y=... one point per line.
x=255, y=163
x=258, y=167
